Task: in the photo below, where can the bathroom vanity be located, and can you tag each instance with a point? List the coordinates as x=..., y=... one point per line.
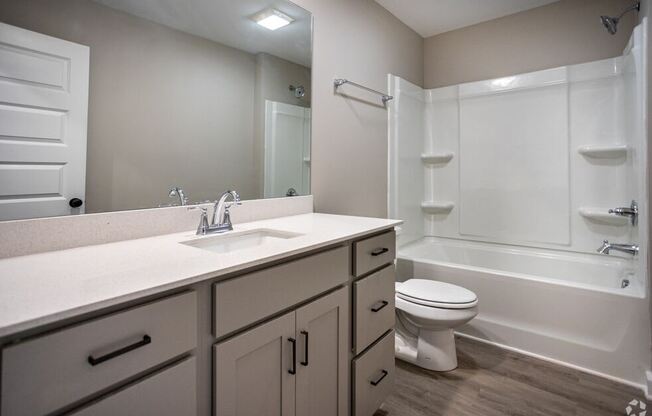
x=294, y=314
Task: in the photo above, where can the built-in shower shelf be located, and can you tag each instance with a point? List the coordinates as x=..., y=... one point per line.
x=306, y=160
x=604, y=152
x=433, y=158
x=602, y=215
x=437, y=207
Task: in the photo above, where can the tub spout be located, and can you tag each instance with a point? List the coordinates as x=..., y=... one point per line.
x=623, y=248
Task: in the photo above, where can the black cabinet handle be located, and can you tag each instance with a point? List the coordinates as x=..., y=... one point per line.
x=383, y=303
x=305, y=350
x=75, y=202
x=293, y=370
x=379, y=251
x=377, y=382
x=95, y=361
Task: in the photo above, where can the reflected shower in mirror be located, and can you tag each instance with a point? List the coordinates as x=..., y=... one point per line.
x=114, y=105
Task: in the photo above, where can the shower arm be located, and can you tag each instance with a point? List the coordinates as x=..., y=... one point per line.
x=636, y=6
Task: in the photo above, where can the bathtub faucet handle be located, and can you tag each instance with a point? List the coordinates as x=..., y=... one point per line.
x=630, y=211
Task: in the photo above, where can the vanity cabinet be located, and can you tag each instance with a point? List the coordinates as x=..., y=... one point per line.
x=373, y=307
x=373, y=322
x=310, y=334
x=49, y=372
x=373, y=376
x=373, y=252
x=276, y=288
x=306, y=350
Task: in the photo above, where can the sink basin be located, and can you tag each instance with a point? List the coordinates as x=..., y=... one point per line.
x=227, y=243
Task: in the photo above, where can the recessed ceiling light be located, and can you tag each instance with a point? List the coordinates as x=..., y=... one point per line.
x=272, y=19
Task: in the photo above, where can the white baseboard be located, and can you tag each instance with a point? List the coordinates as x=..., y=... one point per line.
x=643, y=388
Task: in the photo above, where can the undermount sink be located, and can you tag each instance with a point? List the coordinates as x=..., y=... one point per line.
x=228, y=243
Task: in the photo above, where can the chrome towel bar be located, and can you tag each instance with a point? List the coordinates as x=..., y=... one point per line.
x=338, y=82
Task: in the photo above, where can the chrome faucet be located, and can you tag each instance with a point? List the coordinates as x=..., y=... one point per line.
x=178, y=193
x=221, y=221
x=631, y=212
x=221, y=210
x=623, y=248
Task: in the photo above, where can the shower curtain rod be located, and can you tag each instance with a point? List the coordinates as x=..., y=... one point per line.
x=338, y=82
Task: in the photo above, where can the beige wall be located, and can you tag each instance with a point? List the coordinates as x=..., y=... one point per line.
x=562, y=33
x=166, y=108
x=359, y=40
x=273, y=79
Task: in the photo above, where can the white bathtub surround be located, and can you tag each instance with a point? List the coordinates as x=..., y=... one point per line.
x=39, y=235
x=538, y=161
x=43, y=288
x=522, y=159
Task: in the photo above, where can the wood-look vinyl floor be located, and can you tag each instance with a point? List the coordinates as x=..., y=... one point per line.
x=494, y=382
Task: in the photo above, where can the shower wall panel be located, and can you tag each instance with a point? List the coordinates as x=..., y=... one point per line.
x=533, y=159
x=514, y=170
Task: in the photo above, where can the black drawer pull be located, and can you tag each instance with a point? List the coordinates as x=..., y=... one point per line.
x=383, y=303
x=379, y=251
x=377, y=382
x=305, y=350
x=95, y=361
x=293, y=370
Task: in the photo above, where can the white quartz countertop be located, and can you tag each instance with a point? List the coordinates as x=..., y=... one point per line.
x=44, y=288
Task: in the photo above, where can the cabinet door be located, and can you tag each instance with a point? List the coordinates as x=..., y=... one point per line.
x=323, y=372
x=253, y=371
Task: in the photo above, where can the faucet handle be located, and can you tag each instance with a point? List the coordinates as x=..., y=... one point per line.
x=631, y=212
x=203, y=226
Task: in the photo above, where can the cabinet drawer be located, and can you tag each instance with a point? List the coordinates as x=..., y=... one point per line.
x=374, y=252
x=171, y=392
x=374, y=307
x=47, y=373
x=247, y=299
x=373, y=376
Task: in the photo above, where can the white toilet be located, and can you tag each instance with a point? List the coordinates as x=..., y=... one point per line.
x=427, y=313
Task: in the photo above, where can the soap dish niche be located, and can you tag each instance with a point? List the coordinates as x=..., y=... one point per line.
x=604, y=152
x=436, y=158
x=437, y=207
x=602, y=215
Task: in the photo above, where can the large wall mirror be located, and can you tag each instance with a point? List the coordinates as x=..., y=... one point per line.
x=109, y=105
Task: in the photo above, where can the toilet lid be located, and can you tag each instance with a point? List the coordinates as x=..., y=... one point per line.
x=430, y=292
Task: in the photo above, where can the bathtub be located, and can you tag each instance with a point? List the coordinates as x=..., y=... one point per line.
x=586, y=311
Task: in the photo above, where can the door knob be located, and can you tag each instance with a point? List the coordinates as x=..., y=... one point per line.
x=75, y=202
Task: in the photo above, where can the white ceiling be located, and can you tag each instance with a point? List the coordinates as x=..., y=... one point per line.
x=228, y=22
x=431, y=17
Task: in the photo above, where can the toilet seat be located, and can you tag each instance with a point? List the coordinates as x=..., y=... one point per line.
x=436, y=294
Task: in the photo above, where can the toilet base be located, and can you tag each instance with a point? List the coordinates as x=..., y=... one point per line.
x=433, y=350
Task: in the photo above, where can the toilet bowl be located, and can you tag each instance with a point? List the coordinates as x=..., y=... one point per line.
x=427, y=314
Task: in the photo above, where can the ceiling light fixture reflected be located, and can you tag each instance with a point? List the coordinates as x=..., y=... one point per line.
x=272, y=19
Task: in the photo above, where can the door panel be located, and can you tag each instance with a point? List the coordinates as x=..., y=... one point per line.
x=323, y=373
x=252, y=371
x=287, y=149
x=43, y=124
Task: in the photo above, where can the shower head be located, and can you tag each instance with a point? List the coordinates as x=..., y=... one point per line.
x=611, y=23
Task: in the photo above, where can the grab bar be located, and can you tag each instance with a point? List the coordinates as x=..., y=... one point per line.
x=338, y=82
